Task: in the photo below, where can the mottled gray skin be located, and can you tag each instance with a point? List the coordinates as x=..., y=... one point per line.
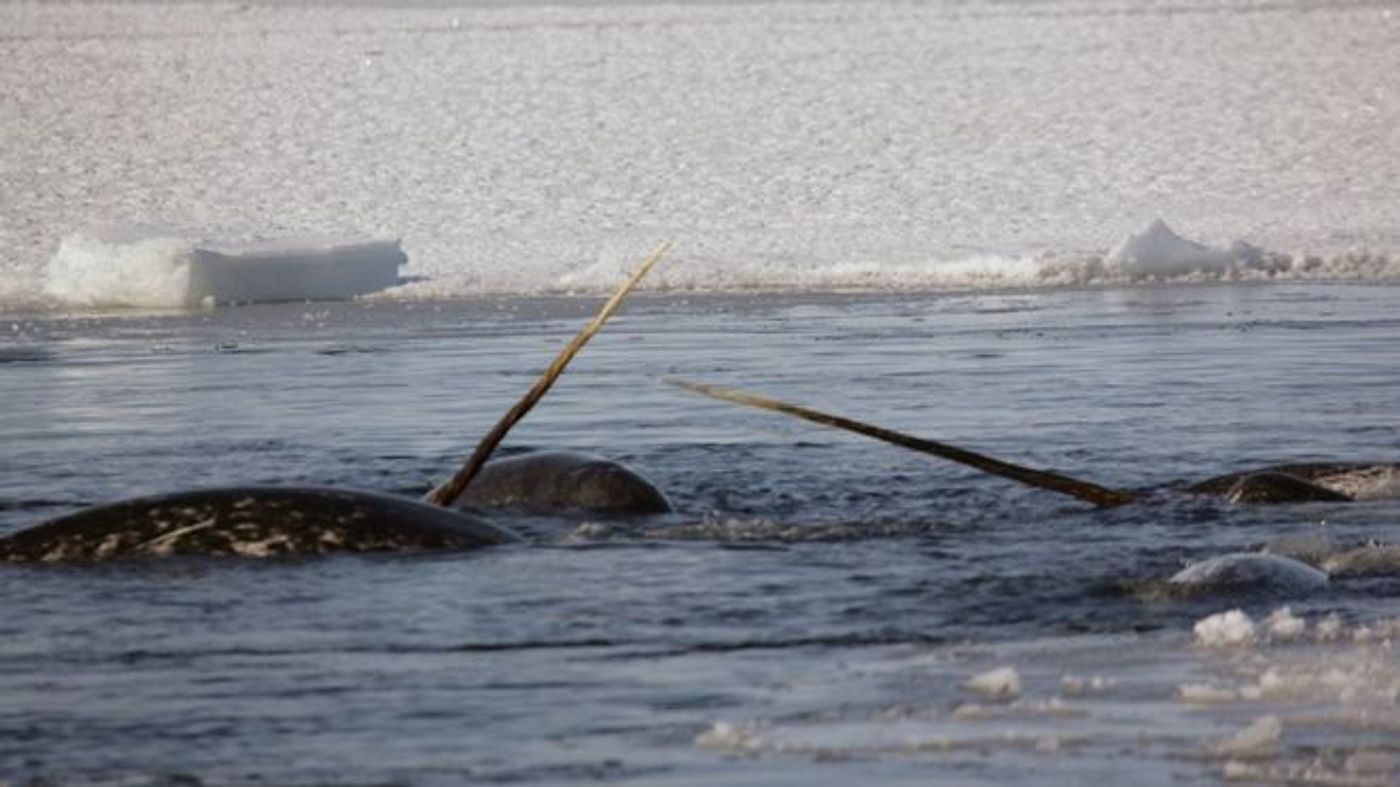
x=1273, y=487
x=1252, y=570
x=1296, y=483
x=250, y=522
x=552, y=481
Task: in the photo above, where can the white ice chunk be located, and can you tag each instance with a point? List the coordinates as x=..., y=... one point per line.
x=152, y=267
x=1329, y=628
x=1205, y=693
x=1225, y=629
x=1370, y=762
x=121, y=266
x=1002, y=683
x=1158, y=251
x=1284, y=625
x=293, y=269
x=728, y=736
x=1257, y=740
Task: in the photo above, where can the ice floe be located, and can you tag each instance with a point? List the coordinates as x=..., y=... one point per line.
x=1291, y=698
x=141, y=266
x=1157, y=251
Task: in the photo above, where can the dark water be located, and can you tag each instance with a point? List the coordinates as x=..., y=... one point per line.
x=820, y=590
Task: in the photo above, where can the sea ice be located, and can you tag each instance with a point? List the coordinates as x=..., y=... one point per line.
x=1257, y=740
x=728, y=736
x=1284, y=625
x=153, y=267
x=1225, y=629
x=1002, y=683
x=1159, y=251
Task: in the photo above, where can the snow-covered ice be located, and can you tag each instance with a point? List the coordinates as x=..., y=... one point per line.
x=787, y=146
x=1158, y=251
x=153, y=267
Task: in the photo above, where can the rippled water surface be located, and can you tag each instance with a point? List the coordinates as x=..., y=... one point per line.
x=811, y=613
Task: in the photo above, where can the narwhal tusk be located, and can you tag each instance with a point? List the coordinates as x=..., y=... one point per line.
x=448, y=491
x=1083, y=490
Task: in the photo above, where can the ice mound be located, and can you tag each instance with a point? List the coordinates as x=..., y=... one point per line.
x=1002, y=684
x=1160, y=252
x=1257, y=740
x=1284, y=625
x=153, y=267
x=1225, y=629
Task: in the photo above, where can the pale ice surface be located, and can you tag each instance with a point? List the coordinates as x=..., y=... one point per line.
x=1159, y=252
x=1002, y=683
x=155, y=267
x=1225, y=629
x=787, y=146
x=1300, y=710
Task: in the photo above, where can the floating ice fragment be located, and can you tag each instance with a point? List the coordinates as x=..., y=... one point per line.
x=1370, y=762
x=1205, y=693
x=1284, y=625
x=1075, y=685
x=1225, y=629
x=1002, y=684
x=1368, y=560
x=1259, y=739
x=153, y=267
x=728, y=736
x=1158, y=251
x=1329, y=628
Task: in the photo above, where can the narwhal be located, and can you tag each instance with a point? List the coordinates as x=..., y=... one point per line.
x=1287, y=483
x=1290, y=483
x=262, y=521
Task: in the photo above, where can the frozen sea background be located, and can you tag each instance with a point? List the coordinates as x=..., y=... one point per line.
x=919, y=194
x=791, y=146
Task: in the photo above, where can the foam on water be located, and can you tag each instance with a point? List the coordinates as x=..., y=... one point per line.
x=135, y=266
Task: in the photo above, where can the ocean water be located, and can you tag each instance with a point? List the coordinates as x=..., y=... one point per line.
x=809, y=615
x=896, y=212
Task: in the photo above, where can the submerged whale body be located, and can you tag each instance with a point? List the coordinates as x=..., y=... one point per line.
x=1271, y=487
x=1251, y=570
x=250, y=522
x=1298, y=483
x=564, y=481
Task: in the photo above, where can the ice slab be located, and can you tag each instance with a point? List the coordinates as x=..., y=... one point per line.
x=154, y=267
x=1158, y=251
